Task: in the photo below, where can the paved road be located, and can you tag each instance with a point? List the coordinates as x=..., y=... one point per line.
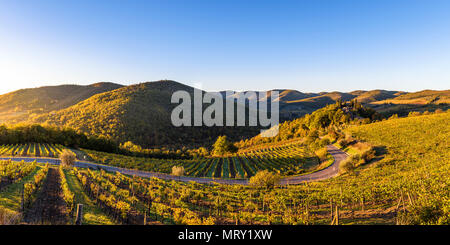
x=326, y=173
x=323, y=174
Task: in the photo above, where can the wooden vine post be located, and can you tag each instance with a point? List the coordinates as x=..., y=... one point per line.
x=331, y=210
x=337, y=215
x=362, y=203
x=335, y=220
x=79, y=219
x=22, y=203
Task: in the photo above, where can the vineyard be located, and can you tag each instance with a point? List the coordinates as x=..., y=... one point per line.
x=31, y=150
x=286, y=160
x=35, y=194
x=407, y=185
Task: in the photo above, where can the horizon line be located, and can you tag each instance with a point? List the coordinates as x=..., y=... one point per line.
x=222, y=90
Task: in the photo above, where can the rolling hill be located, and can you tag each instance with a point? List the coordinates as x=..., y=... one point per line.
x=294, y=104
x=426, y=100
x=19, y=105
x=376, y=95
x=421, y=97
x=140, y=113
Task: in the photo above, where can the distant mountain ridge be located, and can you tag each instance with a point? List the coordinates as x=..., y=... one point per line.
x=294, y=103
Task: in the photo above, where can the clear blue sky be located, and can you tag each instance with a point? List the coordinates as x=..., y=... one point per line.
x=308, y=45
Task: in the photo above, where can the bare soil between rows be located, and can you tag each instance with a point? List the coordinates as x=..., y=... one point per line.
x=49, y=207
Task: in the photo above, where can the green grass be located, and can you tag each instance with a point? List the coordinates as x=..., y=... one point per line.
x=93, y=215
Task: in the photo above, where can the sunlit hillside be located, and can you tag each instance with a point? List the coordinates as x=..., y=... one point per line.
x=139, y=113
x=20, y=105
x=421, y=97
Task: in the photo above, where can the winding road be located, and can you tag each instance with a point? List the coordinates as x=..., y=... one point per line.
x=323, y=174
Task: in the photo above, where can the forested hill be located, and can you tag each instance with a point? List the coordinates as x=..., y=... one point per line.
x=328, y=118
x=139, y=113
x=19, y=105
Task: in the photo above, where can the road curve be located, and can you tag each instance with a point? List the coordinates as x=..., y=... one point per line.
x=326, y=173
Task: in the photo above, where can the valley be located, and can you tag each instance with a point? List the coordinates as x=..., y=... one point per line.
x=337, y=165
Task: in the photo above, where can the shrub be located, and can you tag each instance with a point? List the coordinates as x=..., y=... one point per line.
x=202, y=151
x=351, y=163
x=348, y=165
x=437, y=111
x=368, y=155
x=312, y=137
x=178, y=170
x=130, y=146
x=414, y=113
x=67, y=158
x=322, y=154
x=265, y=179
x=342, y=143
x=324, y=142
x=366, y=121
x=332, y=134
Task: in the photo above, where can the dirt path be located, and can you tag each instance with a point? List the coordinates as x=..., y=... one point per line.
x=323, y=174
x=49, y=207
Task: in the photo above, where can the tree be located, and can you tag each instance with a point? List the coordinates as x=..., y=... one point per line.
x=265, y=179
x=67, y=158
x=223, y=146
x=202, y=151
